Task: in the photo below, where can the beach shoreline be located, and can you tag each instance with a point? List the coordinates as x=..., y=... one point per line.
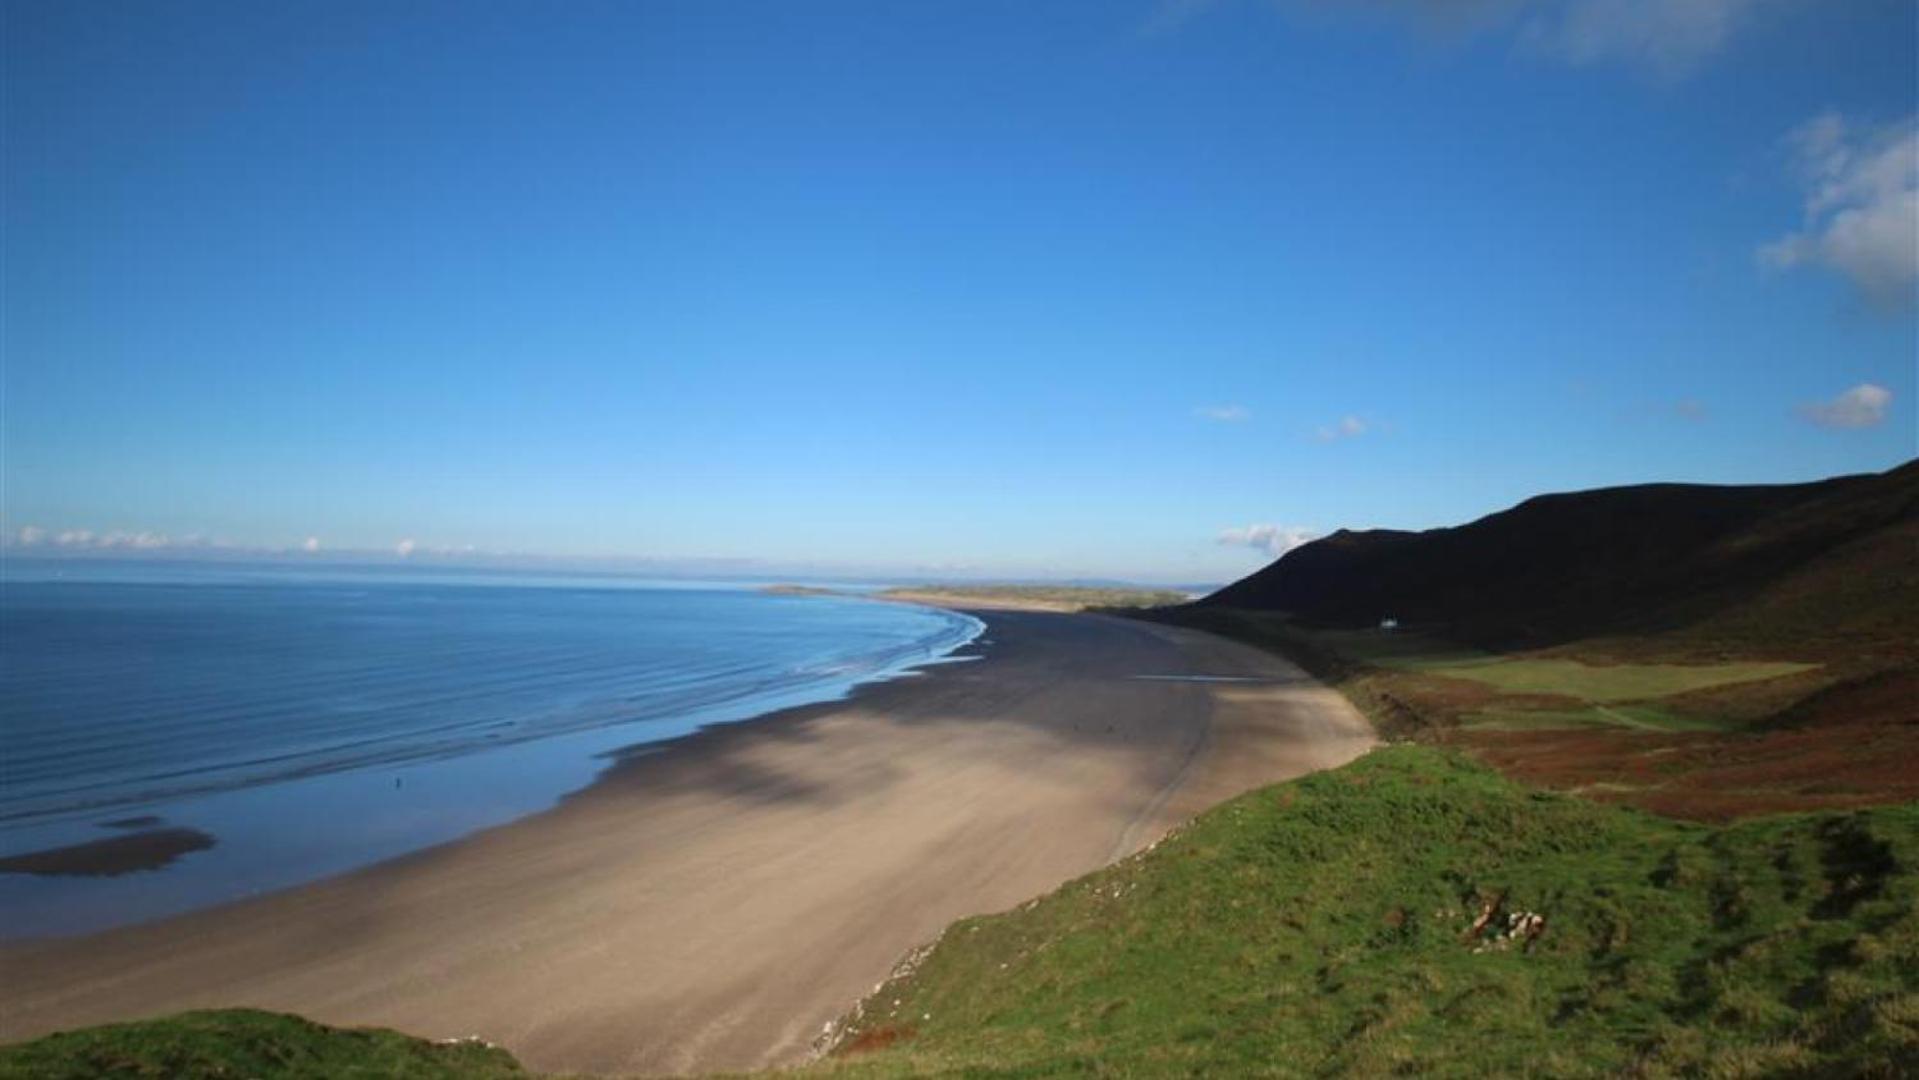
x=215, y=772
x=709, y=902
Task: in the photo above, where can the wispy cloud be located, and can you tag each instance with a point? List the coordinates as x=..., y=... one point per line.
x=1666, y=37
x=82, y=541
x=1689, y=409
x=1860, y=407
x=1224, y=414
x=88, y=540
x=1861, y=206
x=1170, y=15
x=1275, y=540
x=1347, y=427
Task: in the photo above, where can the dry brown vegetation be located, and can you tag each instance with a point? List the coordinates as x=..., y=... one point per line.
x=1839, y=733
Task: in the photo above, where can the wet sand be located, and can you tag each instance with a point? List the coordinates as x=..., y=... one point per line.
x=711, y=903
x=149, y=849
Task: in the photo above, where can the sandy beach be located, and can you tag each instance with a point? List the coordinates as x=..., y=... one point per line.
x=710, y=904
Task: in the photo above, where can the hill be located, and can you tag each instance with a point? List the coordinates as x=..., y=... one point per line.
x=1753, y=562
x=1415, y=913
x=1705, y=652
x=226, y=1043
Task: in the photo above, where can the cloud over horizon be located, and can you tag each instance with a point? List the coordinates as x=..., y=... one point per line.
x=88, y=540
x=1862, y=406
x=1861, y=206
x=1275, y=540
x=81, y=541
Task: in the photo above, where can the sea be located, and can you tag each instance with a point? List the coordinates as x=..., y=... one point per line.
x=301, y=722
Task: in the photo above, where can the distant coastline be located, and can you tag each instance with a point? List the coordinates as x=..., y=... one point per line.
x=1008, y=597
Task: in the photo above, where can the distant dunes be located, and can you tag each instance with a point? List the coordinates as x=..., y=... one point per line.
x=1755, y=563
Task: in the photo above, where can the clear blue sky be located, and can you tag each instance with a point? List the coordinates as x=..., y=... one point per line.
x=1017, y=288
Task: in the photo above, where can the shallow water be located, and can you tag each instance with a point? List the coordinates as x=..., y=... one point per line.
x=315, y=722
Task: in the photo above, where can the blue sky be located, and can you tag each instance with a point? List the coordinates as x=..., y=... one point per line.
x=1121, y=289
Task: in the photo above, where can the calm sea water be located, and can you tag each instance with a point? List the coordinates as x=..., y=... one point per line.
x=315, y=722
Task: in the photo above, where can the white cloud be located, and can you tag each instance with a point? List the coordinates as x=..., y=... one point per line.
x=1861, y=206
x=1667, y=37
x=1670, y=37
x=1862, y=406
x=310, y=545
x=1275, y=540
x=404, y=548
x=1348, y=427
x=88, y=540
x=1224, y=414
x=134, y=541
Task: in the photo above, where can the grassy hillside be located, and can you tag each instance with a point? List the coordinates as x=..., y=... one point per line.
x=1367, y=921
x=236, y=1043
x=1764, y=565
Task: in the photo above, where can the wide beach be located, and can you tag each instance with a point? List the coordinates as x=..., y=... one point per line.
x=713, y=902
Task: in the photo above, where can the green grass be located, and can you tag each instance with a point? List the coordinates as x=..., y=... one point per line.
x=1612, y=682
x=1321, y=927
x=1412, y=684
x=247, y=1043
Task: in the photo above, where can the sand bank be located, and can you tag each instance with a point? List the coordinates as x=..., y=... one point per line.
x=710, y=904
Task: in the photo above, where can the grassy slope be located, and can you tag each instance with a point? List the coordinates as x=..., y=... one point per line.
x=1324, y=926
x=247, y=1043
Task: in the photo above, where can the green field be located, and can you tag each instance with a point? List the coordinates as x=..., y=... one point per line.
x=1594, y=682
x=1612, y=682
x=1325, y=927
x=1411, y=684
